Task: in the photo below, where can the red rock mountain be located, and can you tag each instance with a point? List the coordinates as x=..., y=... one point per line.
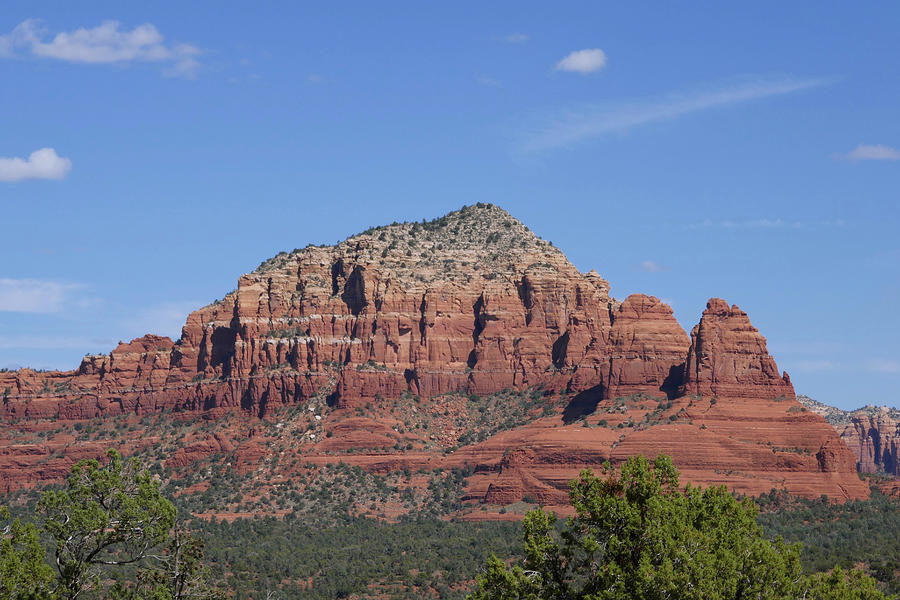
x=470, y=303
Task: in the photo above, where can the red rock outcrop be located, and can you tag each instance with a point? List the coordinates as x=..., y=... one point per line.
x=648, y=348
x=875, y=439
x=871, y=432
x=751, y=446
x=728, y=358
x=475, y=303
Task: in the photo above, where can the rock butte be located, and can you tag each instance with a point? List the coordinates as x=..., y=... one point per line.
x=472, y=302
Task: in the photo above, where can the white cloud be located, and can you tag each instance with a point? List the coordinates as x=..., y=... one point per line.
x=185, y=68
x=105, y=44
x=34, y=295
x=650, y=266
x=593, y=121
x=41, y=164
x=871, y=152
x=583, y=61
x=516, y=38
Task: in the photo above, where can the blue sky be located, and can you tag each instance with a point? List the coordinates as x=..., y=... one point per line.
x=151, y=154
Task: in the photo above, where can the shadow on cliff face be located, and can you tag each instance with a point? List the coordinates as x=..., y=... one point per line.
x=354, y=295
x=583, y=404
x=223, y=340
x=673, y=381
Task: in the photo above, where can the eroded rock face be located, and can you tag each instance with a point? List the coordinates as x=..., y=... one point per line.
x=875, y=439
x=473, y=303
x=728, y=357
x=648, y=348
x=871, y=432
x=477, y=303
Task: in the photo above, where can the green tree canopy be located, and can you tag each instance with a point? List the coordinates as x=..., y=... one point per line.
x=24, y=572
x=638, y=535
x=107, y=517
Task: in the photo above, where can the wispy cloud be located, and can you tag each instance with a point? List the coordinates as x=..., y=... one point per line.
x=583, y=61
x=881, y=365
x=487, y=81
x=54, y=342
x=764, y=224
x=163, y=319
x=516, y=38
x=823, y=356
x=104, y=44
x=35, y=295
x=811, y=366
x=184, y=68
x=870, y=152
x=41, y=164
x=748, y=224
x=574, y=126
x=813, y=356
x=808, y=348
x=650, y=266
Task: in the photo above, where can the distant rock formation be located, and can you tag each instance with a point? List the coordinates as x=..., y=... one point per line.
x=875, y=439
x=871, y=432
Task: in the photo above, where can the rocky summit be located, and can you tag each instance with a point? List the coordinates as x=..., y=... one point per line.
x=463, y=342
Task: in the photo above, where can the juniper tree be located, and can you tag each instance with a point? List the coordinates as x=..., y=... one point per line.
x=638, y=536
x=108, y=515
x=24, y=573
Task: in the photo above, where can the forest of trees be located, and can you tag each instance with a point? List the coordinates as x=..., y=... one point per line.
x=111, y=533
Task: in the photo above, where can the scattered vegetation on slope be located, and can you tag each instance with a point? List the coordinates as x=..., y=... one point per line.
x=482, y=238
x=859, y=532
x=318, y=544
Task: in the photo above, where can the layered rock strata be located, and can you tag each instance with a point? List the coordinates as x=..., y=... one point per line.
x=472, y=302
x=871, y=432
x=875, y=439
x=728, y=357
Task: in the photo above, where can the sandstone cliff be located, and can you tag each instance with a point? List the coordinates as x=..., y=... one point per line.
x=471, y=303
x=875, y=439
x=871, y=432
